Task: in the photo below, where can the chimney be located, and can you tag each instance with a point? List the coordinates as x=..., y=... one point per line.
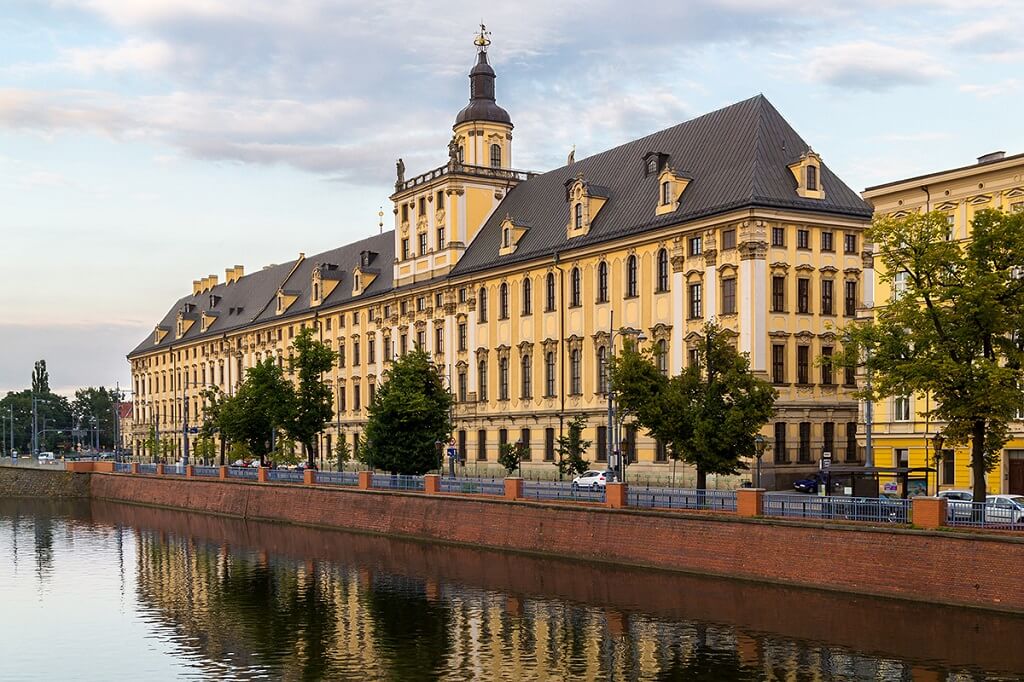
x=991, y=156
x=197, y=286
x=233, y=274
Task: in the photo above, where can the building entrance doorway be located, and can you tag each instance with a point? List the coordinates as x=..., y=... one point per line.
x=1016, y=462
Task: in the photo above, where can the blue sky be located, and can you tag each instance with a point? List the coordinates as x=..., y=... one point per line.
x=146, y=143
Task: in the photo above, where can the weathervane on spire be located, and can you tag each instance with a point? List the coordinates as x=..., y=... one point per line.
x=482, y=40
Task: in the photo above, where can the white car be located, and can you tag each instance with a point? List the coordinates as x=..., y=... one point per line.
x=1004, y=509
x=591, y=480
x=46, y=458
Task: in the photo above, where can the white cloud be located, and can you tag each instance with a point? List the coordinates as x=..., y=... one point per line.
x=131, y=55
x=867, y=65
x=1007, y=86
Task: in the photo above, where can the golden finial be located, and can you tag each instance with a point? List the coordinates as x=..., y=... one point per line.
x=481, y=40
x=380, y=220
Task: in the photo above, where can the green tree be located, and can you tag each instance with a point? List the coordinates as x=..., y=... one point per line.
x=256, y=409
x=40, y=378
x=510, y=455
x=709, y=414
x=954, y=327
x=53, y=413
x=342, y=452
x=213, y=401
x=284, y=452
x=410, y=412
x=151, y=443
x=312, y=403
x=572, y=447
x=97, y=404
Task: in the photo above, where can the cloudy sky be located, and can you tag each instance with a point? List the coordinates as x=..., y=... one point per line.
x=146, y=143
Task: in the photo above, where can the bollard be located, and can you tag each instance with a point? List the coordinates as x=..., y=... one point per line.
x=513, y=488
x=365, y=480
x=928, y=512
x=222, y=474
x=616, y=495
x=135, y=467
x=159, y=469
x=432, y=484
x=189, y=471
x=261, y=475
x=750, y=502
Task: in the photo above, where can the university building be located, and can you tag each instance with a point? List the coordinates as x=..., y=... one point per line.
x=903, y=434
x=519, y=285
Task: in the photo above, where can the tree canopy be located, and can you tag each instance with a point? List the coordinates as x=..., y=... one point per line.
x=954, y=327
x=571, y=448
x=410, y=412
x=708, y=415
x=257, y=408
x=310, y=403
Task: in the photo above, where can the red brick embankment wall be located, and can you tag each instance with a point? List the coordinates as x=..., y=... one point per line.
x=938, y=567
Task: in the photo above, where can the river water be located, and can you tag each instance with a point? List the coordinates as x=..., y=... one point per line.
x=100, y=591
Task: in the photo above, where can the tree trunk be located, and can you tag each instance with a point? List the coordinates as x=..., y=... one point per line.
x=702, y=478
x=310, y=455
x=978, y=459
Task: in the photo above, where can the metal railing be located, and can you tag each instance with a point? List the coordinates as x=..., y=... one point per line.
x=473, y=486
x=208, y=472
x=465, y=169
x=682, y=498
x=398, y=482
x=543, y=490
x=242, y=472
x=122, y=467
x=285, y=475
x=337, y=477
x=147, y=468
x=988, y=514
x=174, y=470
x=874, y=509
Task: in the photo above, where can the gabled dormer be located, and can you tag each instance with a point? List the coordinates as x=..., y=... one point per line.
x=214, y=300
x=807, y=171
x=207, y=319
x=285, y=298
x=671, y=185
x=585, y=201
x=364, y=273
x=511, y=233
x=159, y=332
x=186, y=318
x=654, y=162
x=326, y=277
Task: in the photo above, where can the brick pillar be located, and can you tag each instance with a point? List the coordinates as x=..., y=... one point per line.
x=189, y=471
x=365, y=480
x=513, y=488
x=928, y=512
x=432, y=484
x=159, y=469
x=309, y=476
x=750, y=501
x=616, y=495
x=261, y=475
x=222, y=472
x=103, y=467
x=135, y=467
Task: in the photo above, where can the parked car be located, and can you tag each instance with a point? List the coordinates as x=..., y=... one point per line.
x=810, y=484
x=591, y=480
x=46, y=458
x=957, y=503
x=1004, y=509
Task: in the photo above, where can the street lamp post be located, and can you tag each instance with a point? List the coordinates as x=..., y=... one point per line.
x=937, y=440
x=760, y=445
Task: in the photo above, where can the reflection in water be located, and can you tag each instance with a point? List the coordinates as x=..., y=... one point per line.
x=237, y=600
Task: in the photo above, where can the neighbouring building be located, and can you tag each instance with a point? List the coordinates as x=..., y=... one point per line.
x=125, y=426
x=514, y=281
x=902, y=433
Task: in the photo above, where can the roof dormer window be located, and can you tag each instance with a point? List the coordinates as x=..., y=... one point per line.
x=585, y=200
x=511, y=233
x=666, y=192
x=671, y=186
x=812, y=178
x=807, y=171
x=579, y=215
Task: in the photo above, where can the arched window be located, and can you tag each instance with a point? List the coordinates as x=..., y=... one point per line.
x=527, y=296
x=495, y=156
x=502, y=378
x=662, y=270
x=482, y=306
x=549, y=286
x=549, y=374
x=506, y=237
x=631, y=276
x=579, y=215
x=812, y=178
x=574, y=288
x=527, y=377
x=481, y=378
x=661, y=350
x=602, y=370
x=602, y=282
x=503, y=302
x=575, y=385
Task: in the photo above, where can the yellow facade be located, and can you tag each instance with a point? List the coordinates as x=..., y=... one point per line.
x=523, y=340
x=902, y=431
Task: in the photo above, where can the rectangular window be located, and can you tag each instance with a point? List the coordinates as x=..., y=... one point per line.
x=826, y=296
x=342, y=399
x=462, y=336
x=803, y=239
x=481, y=445
x=849, y=243
x=694, y=357
x=696, y=246
x=826, y=241
x=439, y=300
x=439, y=200
x=696, y=307
x=851, y=441
x=779, y=449
x=778, y=294
x=341, y=355
x=602, y=443
x=828, y=439
x=371, y=350
x=549, y=445
x=405, y=248
x=850, y=298
x=439, y=340
x=423, y=243
x=803, y=295
x=900, y=282
x=356, y=398
x=403, y=307
x=826, y=365
x=421, y=339
x=462, y=387
x=524, y=438
x=728, y=239
x=403, y=344
x=804, y=455
x=849, y=375
x=729, y=296
x=901, y=457
x=948, y=467
x=502, y=438
x=778, y=363
x=355, y=353
x=423, y=206
x=462, y=294
x=405, y=212
x=421, y=303
x=440, y=239
x=901, y=408
x=803, y=363
x=778, y=236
